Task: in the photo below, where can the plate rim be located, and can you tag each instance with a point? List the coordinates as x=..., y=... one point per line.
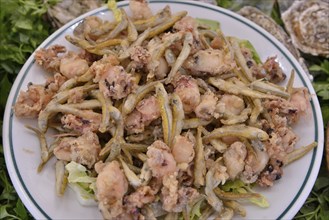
x=38, y=212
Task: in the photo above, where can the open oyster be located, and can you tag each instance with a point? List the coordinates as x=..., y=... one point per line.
x=307, y=23
x=67, y=10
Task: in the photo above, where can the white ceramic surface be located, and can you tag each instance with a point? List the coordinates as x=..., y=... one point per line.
x=37, y=190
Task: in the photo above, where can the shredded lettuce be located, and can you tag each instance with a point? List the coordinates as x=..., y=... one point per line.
x=82, y=184
x=237, y=186
x=213, y=25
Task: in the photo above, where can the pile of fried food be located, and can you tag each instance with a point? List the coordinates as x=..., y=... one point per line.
x=164, y=112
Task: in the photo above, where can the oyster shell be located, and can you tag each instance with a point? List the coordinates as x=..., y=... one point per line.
x=307, y=22
x=273, y=28
x=67, y=10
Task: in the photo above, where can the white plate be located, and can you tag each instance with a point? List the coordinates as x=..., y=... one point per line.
x=37, y=191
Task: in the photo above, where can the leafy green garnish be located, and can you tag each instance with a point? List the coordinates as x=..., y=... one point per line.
x=321, y=86
x=322, y=89
x=81, y=183
x=11, y=207
x=212, y=24
x=316, y=205
x=237, y=186
x=324, y=67
x=21, y=31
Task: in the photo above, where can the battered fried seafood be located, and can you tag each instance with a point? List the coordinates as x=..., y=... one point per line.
x=160, y=114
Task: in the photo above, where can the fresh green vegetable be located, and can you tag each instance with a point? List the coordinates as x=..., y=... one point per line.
x=22, y=29
x=237, y=186
x=11, y=207
x=321, y=86
x=214, y=25
x=81, y=183
x=316, y=205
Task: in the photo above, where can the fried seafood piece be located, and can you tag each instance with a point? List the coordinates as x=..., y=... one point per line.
x=189, y=24
x=111, y=186
x=183, y=149
x=230, y=105
x=269, y=70
x=274, y=73
x=188, y=91
x=139, y=56
x=256, y=69
x=206, y=108
x=210, y=62
x=54, y=83
x=282, y=138
x=140, y=9
x=90, y=121
x=86, y=28
x=185, y=195
x=169, y=195
x=143, y=195
x=31, y=102
x=272, y=172
x=282, y=141
x=160, y=160
x=83, y=149
x=48, y=58
x=89, y=57
x=113, y=81
x=300, y=99
x=234, y=158
x=293, y=109
x=146, y=111
x=72, y=65
x=175, y=197
x=76, y=95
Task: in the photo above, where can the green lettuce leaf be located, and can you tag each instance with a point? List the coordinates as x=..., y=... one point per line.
x=237, y=186
x=212, y=24
x=82, y=184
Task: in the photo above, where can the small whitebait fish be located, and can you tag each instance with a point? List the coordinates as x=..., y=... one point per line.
x=194, y=123
x=269, y=88
x=45, y=153
x=167, y=24
x=166, y=112
x=117, y=30
x=131, y=176
x=160, y=17
x=238, y=89
x=178, y=116
x=61, y=177
x=188, y=40
x=299, y=153
x=241, y=60
x=239, y=130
